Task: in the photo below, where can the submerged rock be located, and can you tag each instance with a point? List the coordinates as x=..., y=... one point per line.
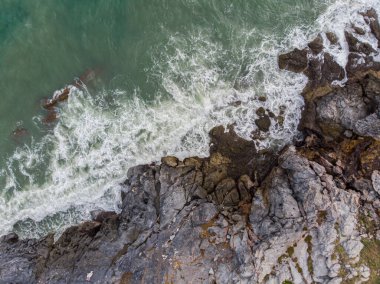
x=50, y=104
x=58, y=96
x=19, y=133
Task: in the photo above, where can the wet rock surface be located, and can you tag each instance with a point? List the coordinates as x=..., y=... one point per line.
x=295, y=61
x=320, y=66
x=307, y=214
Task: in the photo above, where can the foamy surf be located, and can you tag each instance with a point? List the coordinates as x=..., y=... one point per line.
x=57, y=181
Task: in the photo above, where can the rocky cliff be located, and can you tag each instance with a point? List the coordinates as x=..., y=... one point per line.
x=307, y=214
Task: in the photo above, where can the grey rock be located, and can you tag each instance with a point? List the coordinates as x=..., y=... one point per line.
x=365, y=272
x=204, y=213
x=378, y=235
x=239, y=216
x=348, y=133
x=102, y=216
x=353, y=248
x=376, y=181
x=341, y=110
x=368, y=126
x=167, y=226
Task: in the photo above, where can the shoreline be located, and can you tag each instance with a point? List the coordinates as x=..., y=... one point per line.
x=309, y=213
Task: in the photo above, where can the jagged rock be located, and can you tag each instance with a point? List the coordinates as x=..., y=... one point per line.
x=353, y=248
x=206, y=213
x=237, y=151
x=22, y=261
x=316, y=45
x=193, y=162
x=236, y=156
x=102, y=216
x=372, y=89
x=368, y=126
x=295, y=61
x=240, y=216
x=372, y=19
x=10, y=238
x=170, y=161
x=355, y=45
x=172, y=224
x=332, y=37
x=352, y=108
x=227, y=193
x=365, y=272
x=322, y=71
x=320, y=67
x=58, y=96
x=358, y=30
x=376, y=181
x=331, y=70
x=314, y=246
x=340, y=110
x=263, y=123
x=360, y=64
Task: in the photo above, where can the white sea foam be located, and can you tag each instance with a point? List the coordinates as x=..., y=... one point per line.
x=99, y=136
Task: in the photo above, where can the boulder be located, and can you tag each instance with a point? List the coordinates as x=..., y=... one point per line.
x=355, y=45
x=332, y=37
x=295, y=61
x=316, y=45
x=372, y=19
x=263, y=123
x=170, y=161
x=376, y=181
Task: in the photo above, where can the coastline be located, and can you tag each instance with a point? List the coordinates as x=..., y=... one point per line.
x=308, y=213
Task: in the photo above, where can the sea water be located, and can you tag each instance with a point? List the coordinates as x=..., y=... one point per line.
x=163, y=73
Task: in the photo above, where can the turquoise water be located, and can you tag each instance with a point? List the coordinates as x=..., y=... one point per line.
x=167, y=71
x=45, y=44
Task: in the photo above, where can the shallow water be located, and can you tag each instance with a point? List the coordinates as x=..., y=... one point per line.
x=166, y=73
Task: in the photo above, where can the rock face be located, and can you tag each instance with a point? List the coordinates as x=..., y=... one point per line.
x=308, y=214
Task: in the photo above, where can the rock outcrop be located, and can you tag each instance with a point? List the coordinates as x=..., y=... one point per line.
x=308, y=214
